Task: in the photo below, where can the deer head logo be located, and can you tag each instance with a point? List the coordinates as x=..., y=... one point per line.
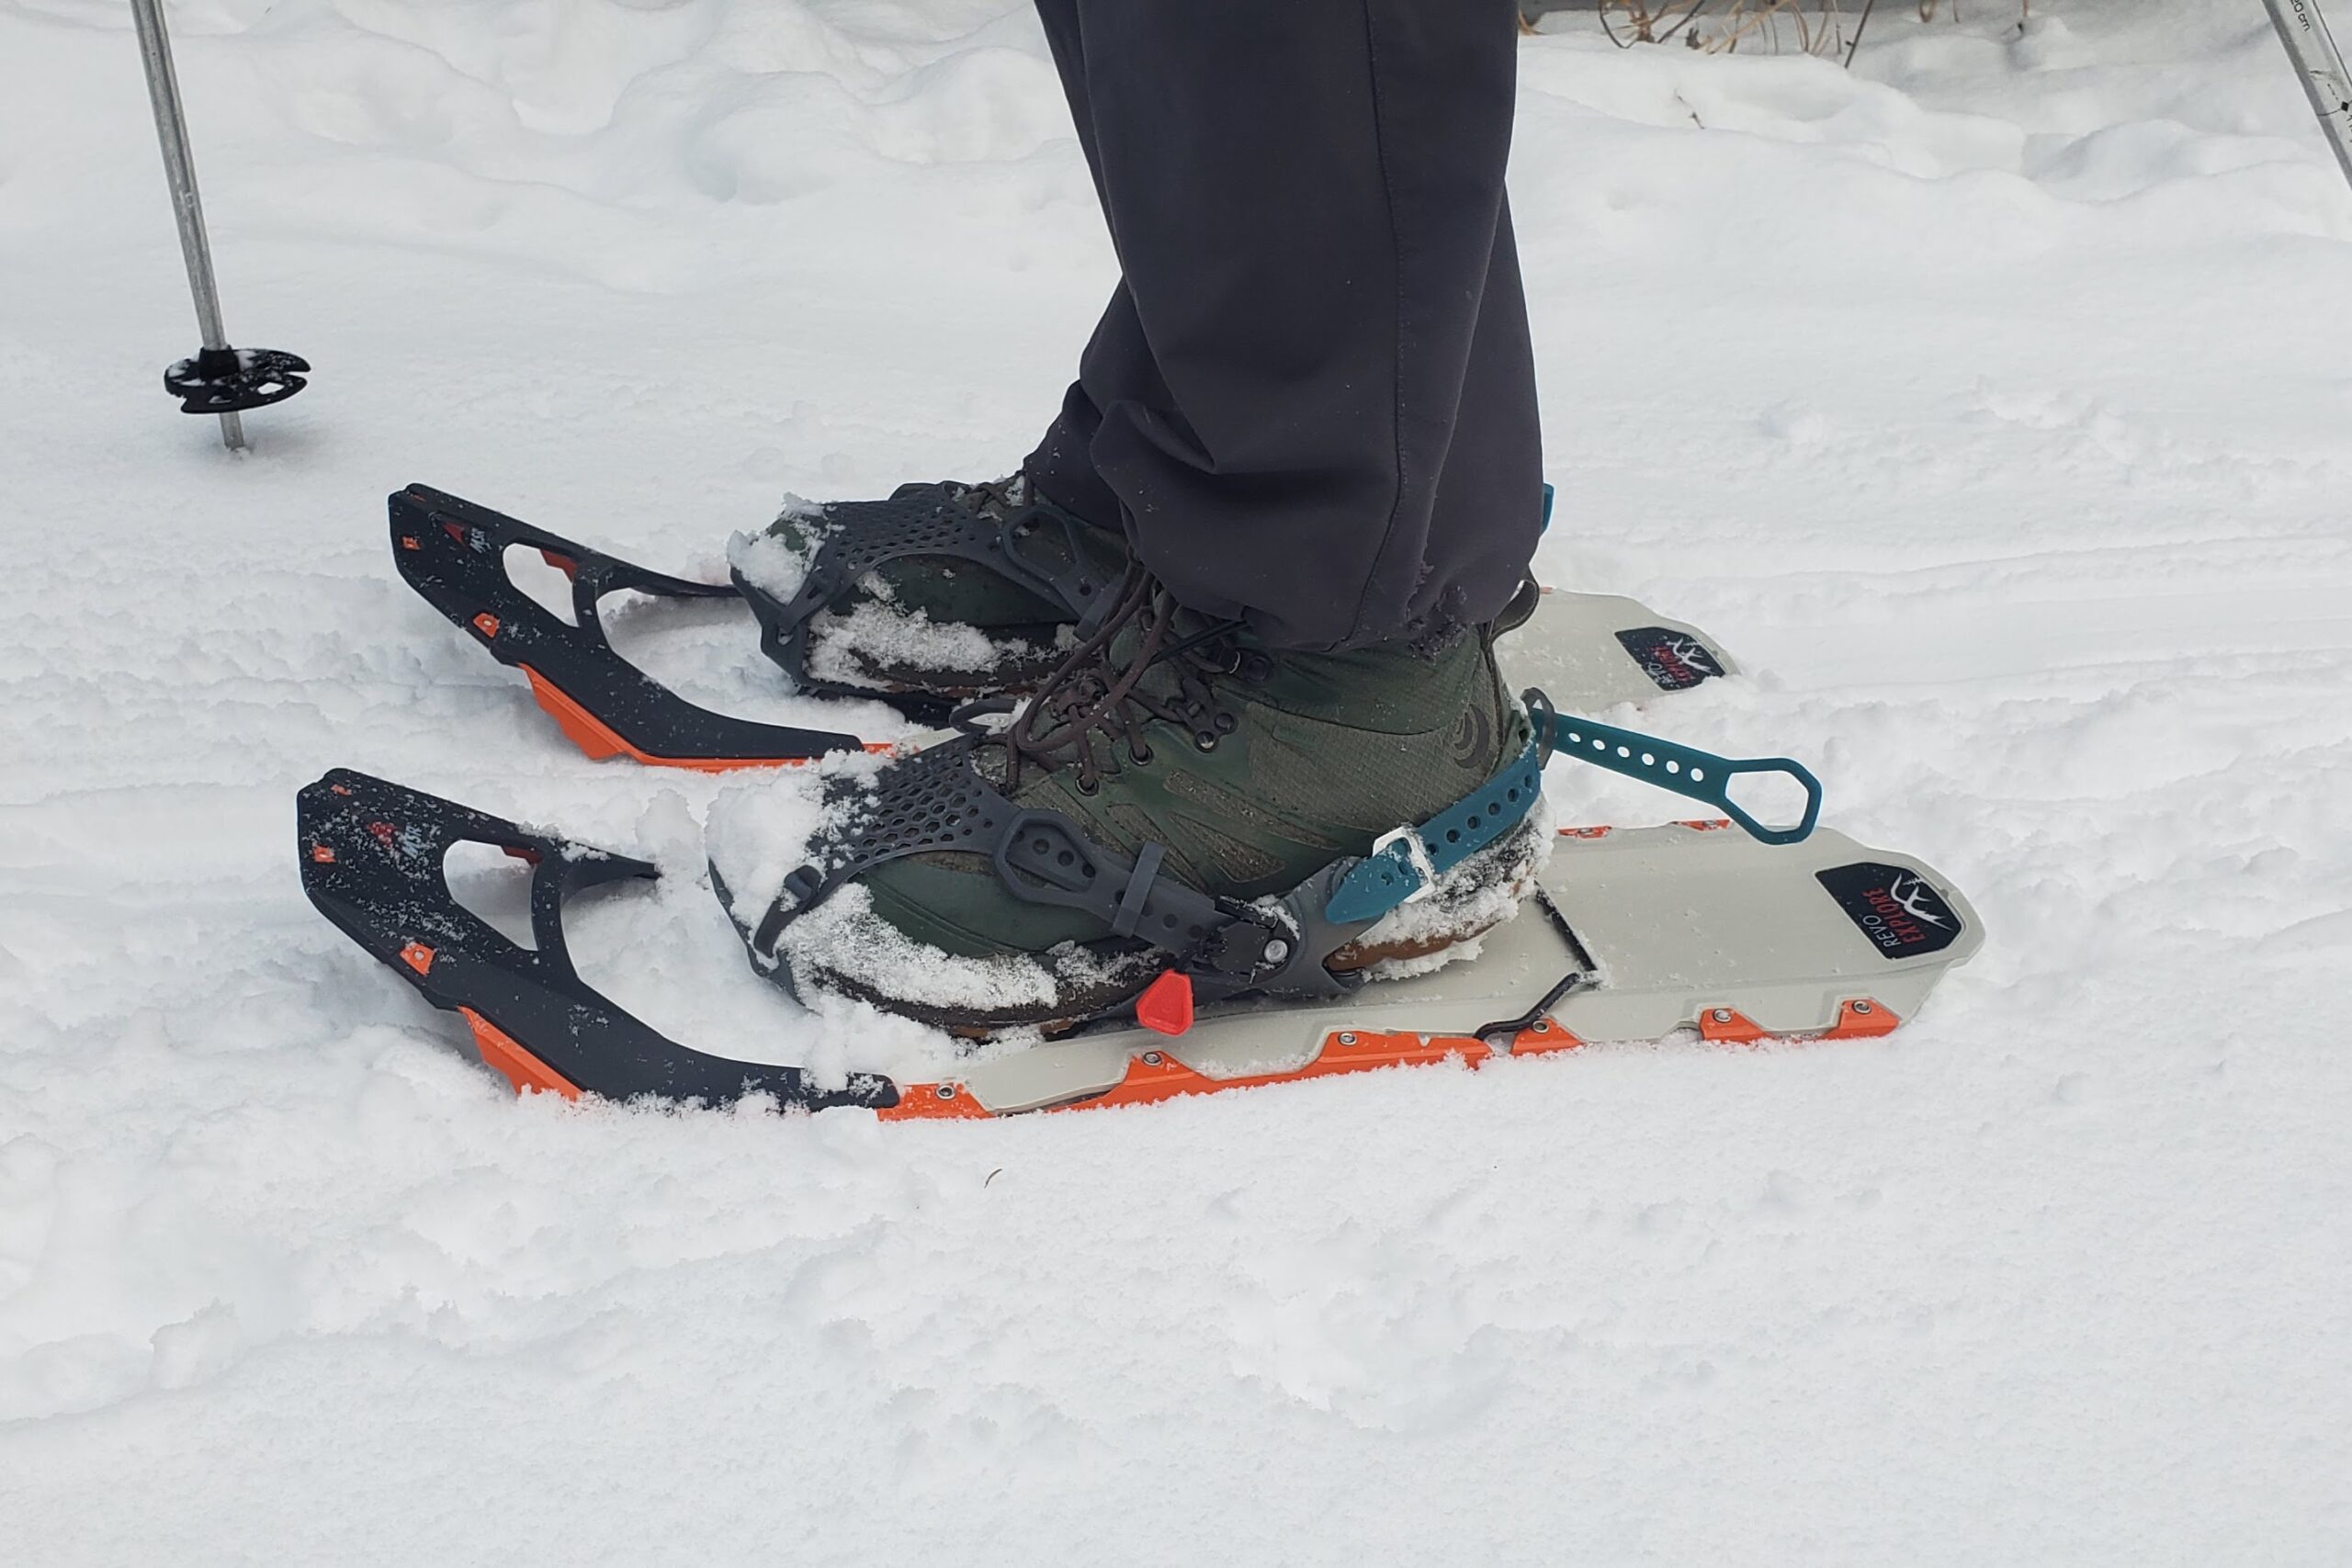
x=1917, y=899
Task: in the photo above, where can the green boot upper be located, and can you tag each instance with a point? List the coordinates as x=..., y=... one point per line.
x=1253, y=767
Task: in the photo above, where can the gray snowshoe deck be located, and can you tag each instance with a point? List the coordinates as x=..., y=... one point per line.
x=1691, y=926
x=1590, y=650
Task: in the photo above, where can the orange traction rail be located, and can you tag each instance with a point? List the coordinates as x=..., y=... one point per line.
x=1859, y=1020
x=1155, y=1076
x=600, y=741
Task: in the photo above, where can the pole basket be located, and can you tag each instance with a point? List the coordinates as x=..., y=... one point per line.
x=231, y=380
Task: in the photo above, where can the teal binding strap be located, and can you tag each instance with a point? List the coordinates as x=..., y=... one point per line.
x=1405, y=864
x=1685, y=769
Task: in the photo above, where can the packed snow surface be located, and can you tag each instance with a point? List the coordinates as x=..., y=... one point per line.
x=1990, y=403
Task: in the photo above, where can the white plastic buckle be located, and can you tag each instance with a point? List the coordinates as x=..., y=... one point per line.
x=1417, y=855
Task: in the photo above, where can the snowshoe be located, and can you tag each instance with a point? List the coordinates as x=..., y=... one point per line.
x=1599, y=647
x=1636, y=934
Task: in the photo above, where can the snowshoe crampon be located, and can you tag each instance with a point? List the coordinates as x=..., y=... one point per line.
x=1594, y=649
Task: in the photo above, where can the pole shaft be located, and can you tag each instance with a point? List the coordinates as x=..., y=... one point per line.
x=2317, y=62
x=179, y=168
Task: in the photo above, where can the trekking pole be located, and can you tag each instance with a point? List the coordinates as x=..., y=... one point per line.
x=2304, y=32
x=221, y=380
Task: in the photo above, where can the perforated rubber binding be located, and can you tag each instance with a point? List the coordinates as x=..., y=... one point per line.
x=923, y=520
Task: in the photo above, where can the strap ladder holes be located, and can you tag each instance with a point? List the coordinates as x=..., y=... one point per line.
x=1649, y=758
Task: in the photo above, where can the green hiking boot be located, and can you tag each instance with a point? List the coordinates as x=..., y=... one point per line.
x=1209, y=778
x=948, y=591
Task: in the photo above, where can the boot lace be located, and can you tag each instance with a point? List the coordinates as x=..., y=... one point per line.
x=1098, y=697
x=997, y=498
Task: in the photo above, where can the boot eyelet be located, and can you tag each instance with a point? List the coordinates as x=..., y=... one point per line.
x=1205, y=740
x=1225, y=722
x=1088, y=789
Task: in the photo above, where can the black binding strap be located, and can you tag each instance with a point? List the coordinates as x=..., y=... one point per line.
x=1047, y=858
x=1139, y=888
x=937, y=800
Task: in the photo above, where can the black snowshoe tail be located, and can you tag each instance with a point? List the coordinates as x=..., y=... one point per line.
x=372, y=863
x=454, y=553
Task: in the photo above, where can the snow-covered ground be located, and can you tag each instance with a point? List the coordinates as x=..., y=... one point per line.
x=1990, y=401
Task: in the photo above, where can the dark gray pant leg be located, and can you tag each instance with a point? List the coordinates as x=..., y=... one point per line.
x=1313, y=395
x=1063, y=464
